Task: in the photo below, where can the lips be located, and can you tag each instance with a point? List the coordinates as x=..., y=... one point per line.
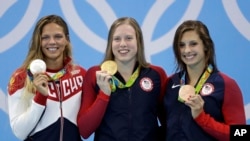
x=52, y=48
x=123, y=51
x=190, y=56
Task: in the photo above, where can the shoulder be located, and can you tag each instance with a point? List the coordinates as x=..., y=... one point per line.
x=74, y=69
x=158, y=69
x=80, y=68
x=227, y=79
x=155, y=67
x=174, y=78
x=94, y=68
x=162, y=74
x=92, y=71
x=17, y=80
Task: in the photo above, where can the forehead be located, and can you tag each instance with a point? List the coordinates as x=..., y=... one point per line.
x=124, y=29
x=190, y=35
x=52, y=27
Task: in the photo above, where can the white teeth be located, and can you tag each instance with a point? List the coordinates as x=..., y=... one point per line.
x=189, y=56
x=123, y=51
x=52, y=49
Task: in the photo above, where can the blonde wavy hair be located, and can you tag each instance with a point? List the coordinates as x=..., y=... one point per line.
x=35, y=51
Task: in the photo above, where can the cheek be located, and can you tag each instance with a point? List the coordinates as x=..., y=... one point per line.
x=115, y=46
x=132, y=45
x=43, y=44
x=43, y=49
x=65, y=42
x=136, y=49
x=180, y=51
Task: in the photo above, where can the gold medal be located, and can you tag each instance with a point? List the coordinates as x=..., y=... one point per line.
x=109, y=66
x=185, y=92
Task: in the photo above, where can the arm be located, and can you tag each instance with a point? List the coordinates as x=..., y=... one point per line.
x=232, y=109
x=163, y=77
x=161, y=111
x=24, y=109
x=93, y=105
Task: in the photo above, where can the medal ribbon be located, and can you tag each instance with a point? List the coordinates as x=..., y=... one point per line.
x=58, y=75
x=55, y=77
x=202, y=80
x=115, y=82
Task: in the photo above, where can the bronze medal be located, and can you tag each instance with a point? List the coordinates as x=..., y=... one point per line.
x=185, y=91
x=109, y=66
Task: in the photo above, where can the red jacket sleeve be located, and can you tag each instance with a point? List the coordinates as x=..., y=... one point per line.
x=232, y=109
x=163, y=76
x=93, y=105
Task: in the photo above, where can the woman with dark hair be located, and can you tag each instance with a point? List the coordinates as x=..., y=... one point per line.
x=201, y=102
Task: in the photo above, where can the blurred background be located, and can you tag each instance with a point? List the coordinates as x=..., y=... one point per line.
x=89, y=22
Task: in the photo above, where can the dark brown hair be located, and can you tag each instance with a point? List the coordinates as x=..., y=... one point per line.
x=203, y=32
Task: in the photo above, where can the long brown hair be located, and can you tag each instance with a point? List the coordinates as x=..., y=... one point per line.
x=139, y=37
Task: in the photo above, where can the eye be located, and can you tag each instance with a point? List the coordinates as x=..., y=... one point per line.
x=45, y=38
x=129, y=37
x=116, y=38
x=181, y=44
x=193, y=43
x=59, y=36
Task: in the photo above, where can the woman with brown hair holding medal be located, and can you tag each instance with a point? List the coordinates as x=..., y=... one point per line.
x=123, y=96
x=201, y=102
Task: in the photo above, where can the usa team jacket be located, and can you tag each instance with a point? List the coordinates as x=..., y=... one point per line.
x=61, y=106
x=129, y=114
x=223, y=106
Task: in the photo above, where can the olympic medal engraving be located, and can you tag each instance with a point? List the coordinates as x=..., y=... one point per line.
x=109, y=66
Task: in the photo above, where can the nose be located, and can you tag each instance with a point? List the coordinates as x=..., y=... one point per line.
x=123, y=43
x=187, y=48
x=52, y=40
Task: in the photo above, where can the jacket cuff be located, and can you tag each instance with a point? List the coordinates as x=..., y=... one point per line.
x=40, y=99
x=103, y=96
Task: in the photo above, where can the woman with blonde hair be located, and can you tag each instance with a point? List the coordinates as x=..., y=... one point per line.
x=43, y=105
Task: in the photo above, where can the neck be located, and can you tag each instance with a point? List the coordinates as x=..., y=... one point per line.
x=194, y=73
x=54, y=64
x=126, y=70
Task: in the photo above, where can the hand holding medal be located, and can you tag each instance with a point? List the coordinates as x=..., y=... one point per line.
x=104, y=76
x=185, y=92
x=109, y=66
x=38, y=66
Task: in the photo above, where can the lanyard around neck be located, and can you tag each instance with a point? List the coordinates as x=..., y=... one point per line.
x=202, y=80
x=115, y=82
x=58, y=75
x=54, y=77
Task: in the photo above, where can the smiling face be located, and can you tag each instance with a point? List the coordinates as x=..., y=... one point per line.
x=53, y=42
x=192, y=49
x=124, y=44
x=193, y=36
